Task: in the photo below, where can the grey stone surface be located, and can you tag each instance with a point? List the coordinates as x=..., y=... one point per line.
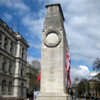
x=54, y=45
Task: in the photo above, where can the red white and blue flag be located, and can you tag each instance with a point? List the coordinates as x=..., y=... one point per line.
x=67, y=67
x=39, y=77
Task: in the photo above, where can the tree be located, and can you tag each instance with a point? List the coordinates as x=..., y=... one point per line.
x=83, y=88
x=36, y=64
x=33, y=79
x=36, y=67
x=96, y=64
x=32, y=72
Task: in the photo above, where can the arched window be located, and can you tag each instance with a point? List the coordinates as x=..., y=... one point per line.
x=3, y=87
x=10, y=88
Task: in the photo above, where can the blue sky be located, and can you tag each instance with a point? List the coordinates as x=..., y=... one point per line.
x=82, y=25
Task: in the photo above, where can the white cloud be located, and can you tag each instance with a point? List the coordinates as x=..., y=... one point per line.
x=82, y=28
x=31, y=58
x=34, y=23
x=82, y=19
x=36, y=44
x=17, y=5
x=80, y=72
x=94, y=73
x=8, y=16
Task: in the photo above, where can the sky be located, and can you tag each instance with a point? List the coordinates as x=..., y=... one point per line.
x=82, y=25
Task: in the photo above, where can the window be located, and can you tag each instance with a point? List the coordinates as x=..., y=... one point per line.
x=11, y=48
x=10, y=68
x=6, y=43
x=3, y=89
x=21, y=72
x=0, y=40
x=22, y=52
x=22, y=89
x=15, y=49
x=4, y=66
x=10, y=88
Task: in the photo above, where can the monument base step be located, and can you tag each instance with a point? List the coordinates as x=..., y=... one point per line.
x=54, y=96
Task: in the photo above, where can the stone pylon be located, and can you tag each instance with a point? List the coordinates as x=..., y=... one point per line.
x=54, y=47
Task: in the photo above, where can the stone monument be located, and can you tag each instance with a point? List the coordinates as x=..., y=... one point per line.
x=54, y=45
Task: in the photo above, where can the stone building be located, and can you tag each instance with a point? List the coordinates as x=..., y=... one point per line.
x=13, y=60
x=94, y=83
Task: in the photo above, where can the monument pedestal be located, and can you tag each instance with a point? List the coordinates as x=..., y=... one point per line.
x=53, y=96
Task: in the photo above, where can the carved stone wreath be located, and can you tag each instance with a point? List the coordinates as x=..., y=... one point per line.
x=51, y=38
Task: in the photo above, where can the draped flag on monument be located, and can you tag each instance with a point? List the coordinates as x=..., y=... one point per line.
x=67, y=67
x=39, y=77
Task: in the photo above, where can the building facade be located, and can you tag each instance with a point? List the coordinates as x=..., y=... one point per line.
x=13, y=60
x=94, y=83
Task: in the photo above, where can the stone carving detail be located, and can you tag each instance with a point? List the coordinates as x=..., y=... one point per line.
x=52, y=38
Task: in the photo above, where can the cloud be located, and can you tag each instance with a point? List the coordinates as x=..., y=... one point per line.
x=81, y=25
x=8, y=16
x=30, y=59
x=18, y=5
x=82, y=71
x=82, y=31
x=94, y=73
x=82, y=28
x=34, y=23
x=36, y=44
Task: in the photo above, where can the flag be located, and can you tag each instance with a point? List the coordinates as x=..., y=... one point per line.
x=67, y=67
x=69, y=76
x=13, y=25
x=67, y=62
x=39, y=77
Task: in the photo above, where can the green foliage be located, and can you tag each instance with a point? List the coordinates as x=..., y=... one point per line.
x=33, y=79
x=83, y=88
x=96, y=64
x=36, y=67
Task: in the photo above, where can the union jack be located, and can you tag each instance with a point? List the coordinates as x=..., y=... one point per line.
x=68, y=67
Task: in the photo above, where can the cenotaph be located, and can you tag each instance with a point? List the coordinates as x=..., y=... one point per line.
x=54, y=45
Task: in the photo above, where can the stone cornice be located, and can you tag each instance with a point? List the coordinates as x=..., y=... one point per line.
x=57, y=4
x=12, y=33
x=8, y=55
x=8, y=29
x=20, y=59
